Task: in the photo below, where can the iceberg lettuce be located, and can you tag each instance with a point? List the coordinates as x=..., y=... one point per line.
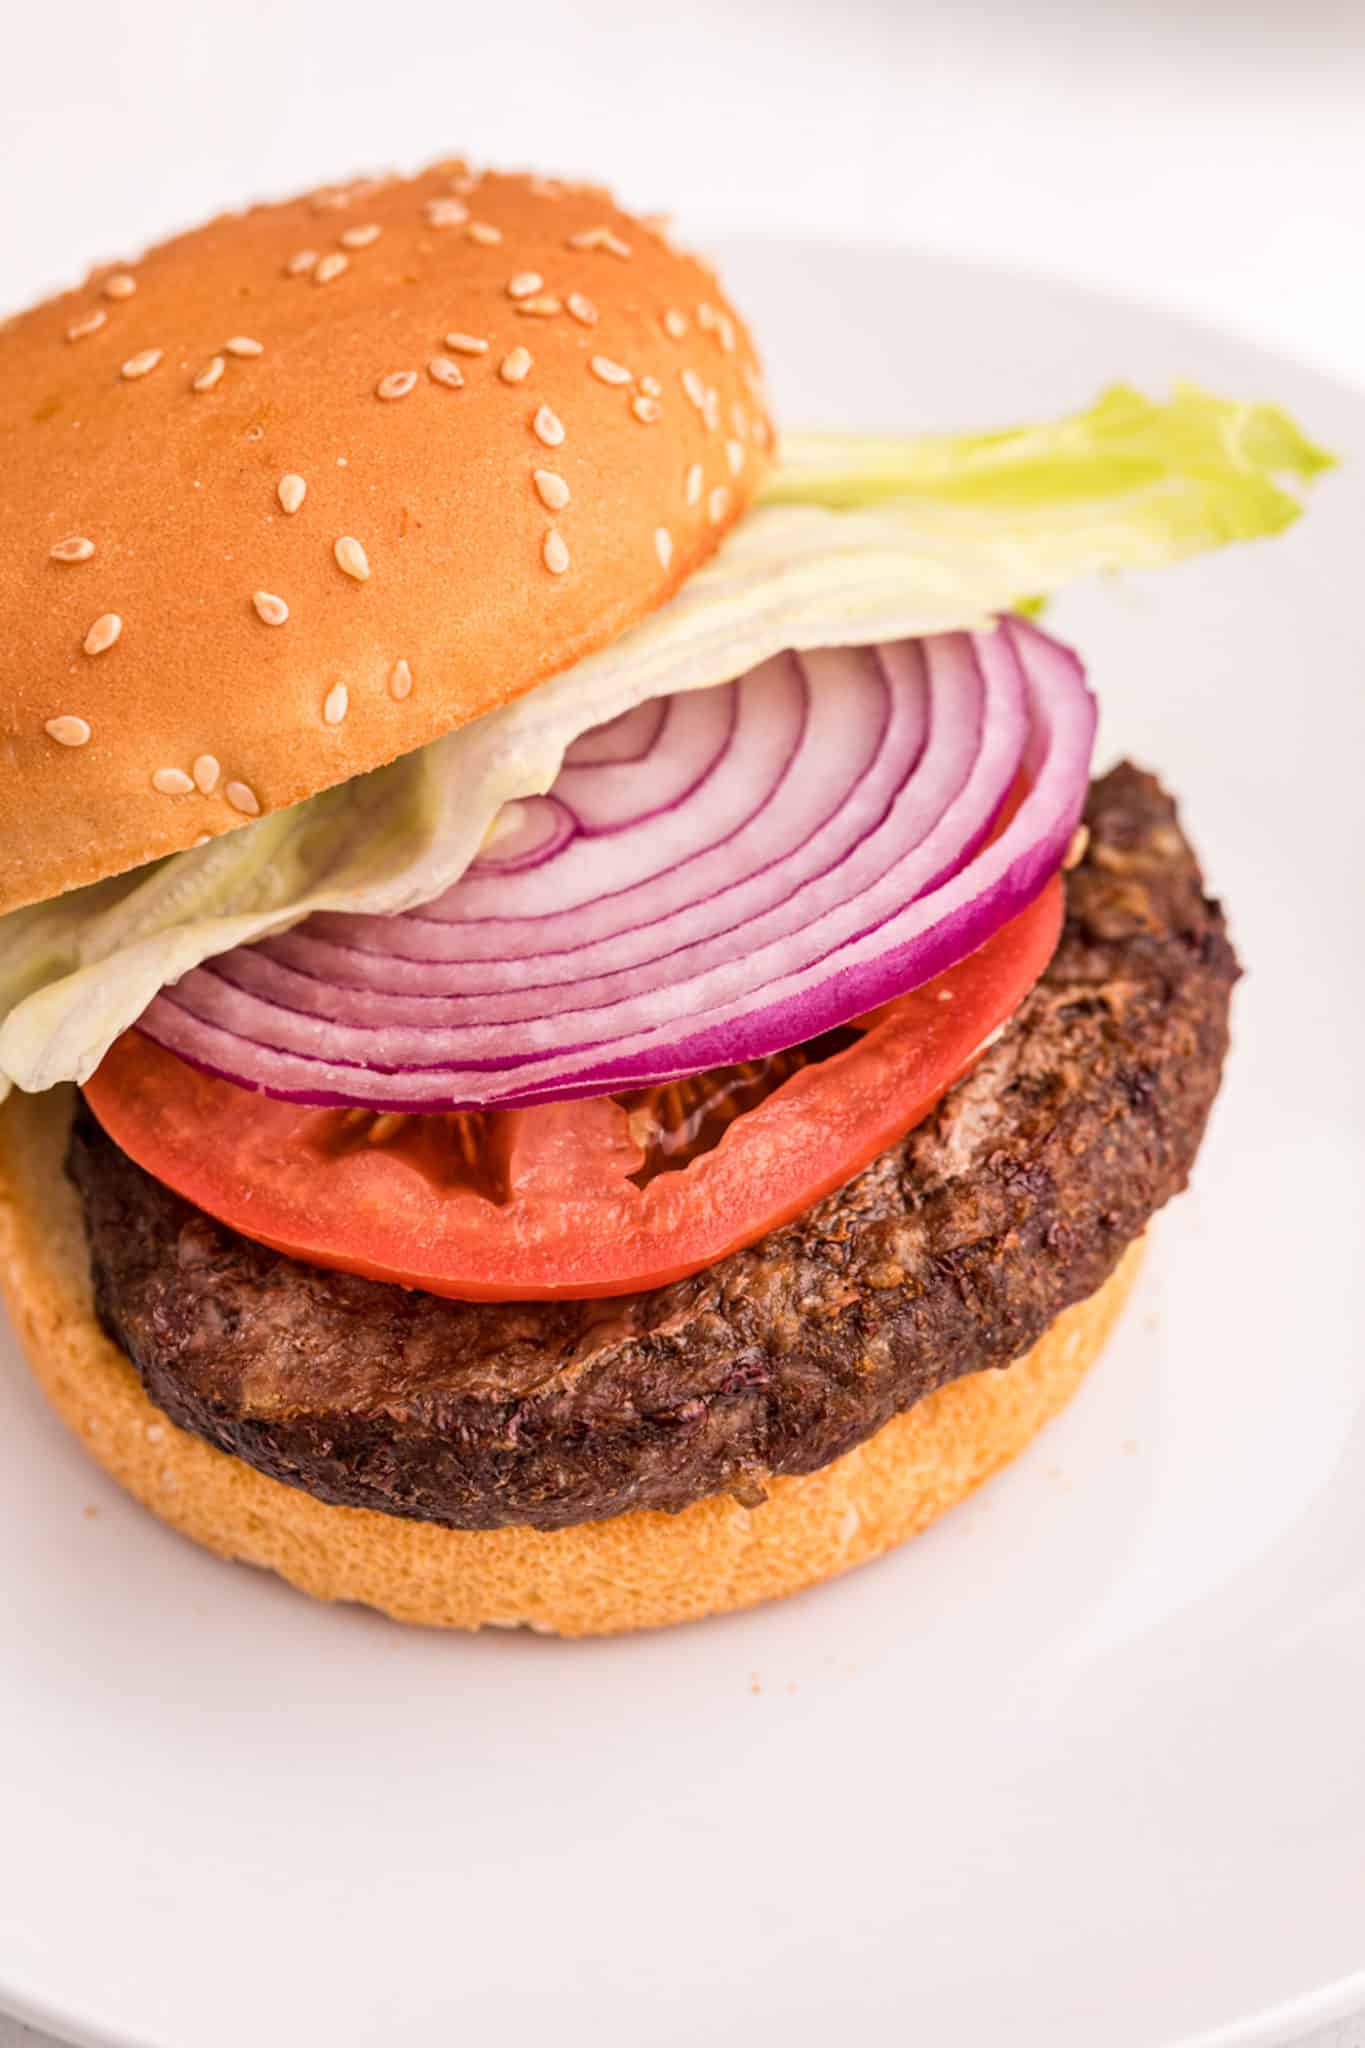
x=853, y=540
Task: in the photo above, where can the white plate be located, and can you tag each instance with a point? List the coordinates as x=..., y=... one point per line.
x=1084, y=1765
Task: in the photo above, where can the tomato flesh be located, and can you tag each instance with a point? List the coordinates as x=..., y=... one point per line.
x=591, y=1197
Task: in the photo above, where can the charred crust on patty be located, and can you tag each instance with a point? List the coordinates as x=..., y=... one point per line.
x=952, y=1253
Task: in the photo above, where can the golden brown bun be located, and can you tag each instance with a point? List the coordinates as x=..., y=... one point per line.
x=178, y=490
x=637, y=1571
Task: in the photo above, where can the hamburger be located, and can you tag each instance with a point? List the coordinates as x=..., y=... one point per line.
x=584, y=1047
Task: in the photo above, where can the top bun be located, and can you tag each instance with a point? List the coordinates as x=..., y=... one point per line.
x=308, y=487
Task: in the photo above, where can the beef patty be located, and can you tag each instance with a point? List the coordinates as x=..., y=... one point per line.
x=952, y=1252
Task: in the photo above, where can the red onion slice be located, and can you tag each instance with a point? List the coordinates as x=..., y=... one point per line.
x=628, y=737
x=709, y=950
x=528, y=833
x=778, y=811
x=743, y=869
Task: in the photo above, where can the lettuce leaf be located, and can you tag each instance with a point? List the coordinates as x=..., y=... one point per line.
x=854, y=540
x=1197, y=470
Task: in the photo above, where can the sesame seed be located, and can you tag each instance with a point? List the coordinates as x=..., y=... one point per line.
x=675, y=324
x=663, y=546
x=330, y=266
x=336, y=704
x=67, y=731
x=695, y=389
x=548, y=427
x=304, y=260
x=397, y=384
x=582, y=309
x=202, y=840
x=467, y=344
x=734, y=455
x=710, y=409
x=273, y=610
x=385, y=1125
x=330, y=200
x=291, y=490
x=515, y=366
x=442, y=370
x=89, y=323
x=646, y=409
x=554, y=552
x=718, y=504
x=243, y=345
x=206, y=772
x=172, y=782
x=243, y=798
x=207, y=378
x=543, y=306
x=739, y=420
x=142, y=364
x=103, y=633
x=651, y=387
x=524, y=283
x=120, y=286
x=400, y=681
x=545, y=188
x=763, y=433
x=609, y=372
x=447, y=213
x=599, y=238
x=707, y=316
x=725, y=327
x=692, y=484
x=1075, y=846
x=360, y=238
x=351, y=558
x=75, y=548
x=484, y=232
x=551, y=489
x=465, y=183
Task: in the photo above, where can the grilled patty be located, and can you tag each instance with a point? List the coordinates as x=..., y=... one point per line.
x=951, y=1253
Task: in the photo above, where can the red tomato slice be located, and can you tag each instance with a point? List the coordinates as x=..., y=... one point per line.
x=522, y=1204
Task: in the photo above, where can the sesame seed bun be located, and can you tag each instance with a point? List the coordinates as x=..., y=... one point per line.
x=313, y=484
x=634, y=1571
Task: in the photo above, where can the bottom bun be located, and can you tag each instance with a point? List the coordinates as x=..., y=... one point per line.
x=637, y=1570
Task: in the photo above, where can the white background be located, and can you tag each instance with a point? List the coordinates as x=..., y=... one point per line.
x=1210, y=153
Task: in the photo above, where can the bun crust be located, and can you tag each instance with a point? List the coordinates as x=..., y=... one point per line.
x=516, y=506
x=638, y=1570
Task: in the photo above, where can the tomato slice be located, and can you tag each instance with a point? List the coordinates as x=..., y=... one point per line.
x=571, y=1198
